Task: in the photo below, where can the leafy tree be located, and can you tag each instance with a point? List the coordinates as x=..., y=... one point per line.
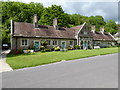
x=5, y=35
x=98, y=21
x=54, y=12
x=22, y=12
x=77, y=19
x=111, y=26
x=19, y=12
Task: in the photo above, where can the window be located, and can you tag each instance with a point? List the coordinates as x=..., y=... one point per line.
x=94, y=43
x=24, y=42
x=48, y=41
x=55, y=42
x=71, y=42
x=85, y=33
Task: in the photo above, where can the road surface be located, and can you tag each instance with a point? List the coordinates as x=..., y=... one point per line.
x=93, y=72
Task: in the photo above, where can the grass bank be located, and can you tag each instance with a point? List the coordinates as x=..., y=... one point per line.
x=38, y=58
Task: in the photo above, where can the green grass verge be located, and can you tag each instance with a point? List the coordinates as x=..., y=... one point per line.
x=23, y=60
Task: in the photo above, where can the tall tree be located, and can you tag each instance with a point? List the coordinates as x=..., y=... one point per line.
x=98, y=21
x=111, y=26
x=19, y=12
x=54, y=12
x=77, y=19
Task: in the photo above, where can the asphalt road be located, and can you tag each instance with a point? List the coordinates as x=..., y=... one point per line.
x=93, y=72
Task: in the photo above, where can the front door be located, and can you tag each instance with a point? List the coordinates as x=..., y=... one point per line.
x=85, y=45
x=37, y=45
x=63, y=44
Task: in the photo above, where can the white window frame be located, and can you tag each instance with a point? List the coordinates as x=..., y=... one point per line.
x=27, y=42
x=50, y=42
x=72, y=43
x=85, y=33
x=55, y=40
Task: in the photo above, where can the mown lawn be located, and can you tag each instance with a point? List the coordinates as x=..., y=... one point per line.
x=38, y=58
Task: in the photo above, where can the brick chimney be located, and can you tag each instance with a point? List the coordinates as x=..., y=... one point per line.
x=102, y=30
x=35, y=21
x=55, y=24
x=93, y=28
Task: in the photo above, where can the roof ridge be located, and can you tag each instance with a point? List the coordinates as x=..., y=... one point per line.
x=23, y=22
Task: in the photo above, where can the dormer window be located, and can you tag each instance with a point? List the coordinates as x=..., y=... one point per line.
x=85, y=33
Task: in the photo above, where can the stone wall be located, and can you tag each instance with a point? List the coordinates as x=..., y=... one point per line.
x=18, y=45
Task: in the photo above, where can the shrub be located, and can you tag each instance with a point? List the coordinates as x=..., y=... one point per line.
x=33, y=48
x=17, y=52
x=20, y=51
x=77, y=47
x=42, y=48
x=70, y=48
x=44, y=43
x=89, y=47
x=56, y=48
x=48, y=50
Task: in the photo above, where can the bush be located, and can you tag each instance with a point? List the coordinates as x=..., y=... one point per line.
x=20, y=51
x=17, y=52
x=33, y=48
x=70, y=48
x=77, y=47
x=42, y=48
x=48, y=50
x=44, y=43
x=56, y=48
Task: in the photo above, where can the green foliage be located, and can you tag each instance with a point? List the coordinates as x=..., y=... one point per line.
x=98, y=21
x=77, y=19
x=5, y=34
x=19, y=12
x=48, y=50
x=44, y=43
x=20, y=51
x=56, y=48
x=70, y=48
x=111, y=26
x=77, y=47
x=42, y=48
x=54, y=12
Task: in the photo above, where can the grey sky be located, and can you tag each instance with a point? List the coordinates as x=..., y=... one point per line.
x=109, y=10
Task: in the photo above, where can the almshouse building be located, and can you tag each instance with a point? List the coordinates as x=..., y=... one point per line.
x=26, y=35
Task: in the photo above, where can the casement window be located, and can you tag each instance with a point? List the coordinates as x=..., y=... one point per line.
x=71, y=42
x=94, y=43
x=85, y=33
x=24, y=42
x=48, y=41
x=55, y=42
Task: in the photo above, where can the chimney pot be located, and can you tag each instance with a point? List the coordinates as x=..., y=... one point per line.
x=55, y=23
x=35, y=22
x=93, y=28
x=102, y=30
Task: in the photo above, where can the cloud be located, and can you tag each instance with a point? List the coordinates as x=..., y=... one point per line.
x=106, y=8
x=109, y=10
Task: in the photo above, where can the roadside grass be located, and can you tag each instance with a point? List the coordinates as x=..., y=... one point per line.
x=39, y=58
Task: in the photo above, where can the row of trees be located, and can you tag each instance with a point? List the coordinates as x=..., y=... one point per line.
x=22, y=12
